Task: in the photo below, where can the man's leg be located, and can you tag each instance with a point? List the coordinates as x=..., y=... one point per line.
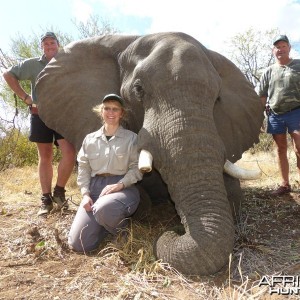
x=296, y=142
x=64, y=171
x=67, y=162
x=45, y=170
x=281, y=144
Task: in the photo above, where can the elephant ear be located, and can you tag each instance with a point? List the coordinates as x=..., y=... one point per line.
x=75, y=81
x=238, y=111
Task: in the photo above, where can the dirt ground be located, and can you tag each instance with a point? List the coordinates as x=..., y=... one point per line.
x=35, y=262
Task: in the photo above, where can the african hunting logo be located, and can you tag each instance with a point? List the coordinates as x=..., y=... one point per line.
x=282, y=285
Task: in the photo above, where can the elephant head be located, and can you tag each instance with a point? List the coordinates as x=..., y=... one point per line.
x=192, y=109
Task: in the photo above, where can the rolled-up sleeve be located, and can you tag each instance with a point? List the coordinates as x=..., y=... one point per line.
x=133, y=174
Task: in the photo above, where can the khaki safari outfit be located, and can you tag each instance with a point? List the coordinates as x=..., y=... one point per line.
x=104, y=160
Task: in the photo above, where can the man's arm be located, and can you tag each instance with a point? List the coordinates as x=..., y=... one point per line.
x=263, y=100
x=14, y=84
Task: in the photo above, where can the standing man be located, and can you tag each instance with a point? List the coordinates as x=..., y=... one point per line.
x=279, y=89
x=39, y=132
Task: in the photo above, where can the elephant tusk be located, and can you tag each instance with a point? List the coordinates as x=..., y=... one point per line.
x=240, y=173
x=145, y=161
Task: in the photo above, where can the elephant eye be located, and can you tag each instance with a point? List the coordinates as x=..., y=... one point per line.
x=138, y=89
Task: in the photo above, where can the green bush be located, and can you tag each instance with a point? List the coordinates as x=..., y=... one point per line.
x=265, y=143
x=17, y=151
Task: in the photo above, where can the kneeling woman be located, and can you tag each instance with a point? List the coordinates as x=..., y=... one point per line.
x=107, y=171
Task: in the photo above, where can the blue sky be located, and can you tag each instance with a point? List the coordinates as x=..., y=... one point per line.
x=212, y=22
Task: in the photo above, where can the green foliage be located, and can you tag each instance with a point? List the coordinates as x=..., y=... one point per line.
x=251, y=51
x=92, y=28
x=265, y=143
x=17, y=151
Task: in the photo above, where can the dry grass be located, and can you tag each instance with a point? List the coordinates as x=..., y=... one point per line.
x=36, y=262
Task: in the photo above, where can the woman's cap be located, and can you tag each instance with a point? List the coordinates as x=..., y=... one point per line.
x=113, y=97
x=281, y=37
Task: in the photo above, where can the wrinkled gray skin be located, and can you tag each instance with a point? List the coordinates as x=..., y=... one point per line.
x=191, y=107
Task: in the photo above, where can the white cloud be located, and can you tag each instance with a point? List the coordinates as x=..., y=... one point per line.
x=289, y=20
x=81, y=10
x=215, y=21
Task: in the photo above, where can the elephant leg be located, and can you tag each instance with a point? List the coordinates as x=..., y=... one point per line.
x=234, y=194
x=157, y=190
x=145, y=206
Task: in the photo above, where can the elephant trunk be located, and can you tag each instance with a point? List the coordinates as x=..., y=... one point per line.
x=201, y=202
x=205, y=213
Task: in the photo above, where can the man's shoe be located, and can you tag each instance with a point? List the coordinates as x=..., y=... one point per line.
x=282, y=190
x=59, y=197
x=61, y=201
x=46, y=206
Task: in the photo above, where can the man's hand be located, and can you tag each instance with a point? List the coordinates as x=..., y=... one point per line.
x=28, y=100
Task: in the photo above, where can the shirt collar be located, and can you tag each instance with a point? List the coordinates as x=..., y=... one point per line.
x=119, y=132
x=43, y=59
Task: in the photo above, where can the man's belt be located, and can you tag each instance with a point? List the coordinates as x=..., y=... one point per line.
x=33, y=109
x=295, y=108
x=105, y=174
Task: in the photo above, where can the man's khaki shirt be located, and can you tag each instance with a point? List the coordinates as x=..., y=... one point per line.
x=29, y=69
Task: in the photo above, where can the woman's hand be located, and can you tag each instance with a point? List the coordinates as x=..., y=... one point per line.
x=112, y=188
x=87, y=203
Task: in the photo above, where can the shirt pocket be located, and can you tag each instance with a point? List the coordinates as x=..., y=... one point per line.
x=94, y=160
x=120, y=159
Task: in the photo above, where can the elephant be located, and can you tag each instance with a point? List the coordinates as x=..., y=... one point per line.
x=192, y=109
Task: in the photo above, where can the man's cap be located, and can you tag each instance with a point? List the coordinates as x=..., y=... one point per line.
x=48, y=34
x=281, y=37
x=113, y=97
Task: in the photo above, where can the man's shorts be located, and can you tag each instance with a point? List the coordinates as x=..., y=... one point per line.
x=287, y=122
x=40, y=133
